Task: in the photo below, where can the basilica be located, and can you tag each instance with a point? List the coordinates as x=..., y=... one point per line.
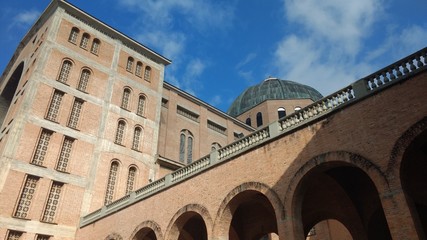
x=96, y=144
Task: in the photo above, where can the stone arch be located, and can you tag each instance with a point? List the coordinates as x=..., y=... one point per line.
x=226, y=210
x=114, y=236
x=323, y=180
x=9, y=90
x=147, y=230
x=193, y=214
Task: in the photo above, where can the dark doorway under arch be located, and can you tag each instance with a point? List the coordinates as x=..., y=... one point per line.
x=9, y=91
x=145, y=234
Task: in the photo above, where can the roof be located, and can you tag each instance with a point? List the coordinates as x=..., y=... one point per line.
x=271, y=89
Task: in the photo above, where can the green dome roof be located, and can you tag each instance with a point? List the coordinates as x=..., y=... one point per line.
x=271, y=89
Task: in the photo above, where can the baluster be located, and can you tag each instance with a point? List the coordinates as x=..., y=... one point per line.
x=391, y=73
x=411, y=65
x=405, y=67
x=398, y=72
x=419, y=62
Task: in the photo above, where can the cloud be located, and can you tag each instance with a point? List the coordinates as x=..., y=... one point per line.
x=216, y=100
x=246, y=60
x=25, y=18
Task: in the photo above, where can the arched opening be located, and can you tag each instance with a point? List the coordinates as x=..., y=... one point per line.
x=413, y=174
x=330, y=229
x=259, y=119
x=253, y=216
x=248, y=122
x=190, y=226
x=281, y=112
x=145, y=234
x=9, y=91
x=342, y=192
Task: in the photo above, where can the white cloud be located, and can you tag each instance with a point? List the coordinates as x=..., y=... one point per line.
x=246, y=60
x=216, y=100
x=25, y=17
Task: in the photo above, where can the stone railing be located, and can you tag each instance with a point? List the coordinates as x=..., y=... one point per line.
x=360, y=89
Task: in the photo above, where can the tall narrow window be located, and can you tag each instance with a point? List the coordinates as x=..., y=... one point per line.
x=190, y=150
x=75, y=113
x=41, y=148
x=42, y=237
x=26, y=197
x=131, y=180
x=182, y=147
x=186, y=147
x=126, y=98
x=120, y=132
x=13, y=235
x=141, y=106
x=111, y=184
x=281, y=112
x=65, y=71
x=248, y=122
x=84, y=41
x=129, y=64
x=53, y=111
x=64, y=155
x=136, y=138
x=259, y=119
x=95, y=46
x=138, y=70
x=84, y=79
x=147, y=73
x=52, y=202
x=73, y=35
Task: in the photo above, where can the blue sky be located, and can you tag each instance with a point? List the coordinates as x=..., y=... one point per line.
x=220, y=47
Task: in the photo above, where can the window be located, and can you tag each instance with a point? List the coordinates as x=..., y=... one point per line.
x=41, y=148
x=52, y=202
x=248, y=122
x=65, y=71
x=27, y=195
x=186, y=147
x=13, y=235
x=297, y=108
x=281, y=112
x=53, y=111
x=138, y=70
x=126, y=98
x=147, y=73
x=84, y=41
x=131, y=180
x=112, y=178
x=84, y=79
x=64, y=155
x=95, y=46
x=129, y=64
x=136, y=138
x=75, y=113
x=259, y=119
x=141, y=106
x=73, y=35
x=42, y=237
x=120, y=132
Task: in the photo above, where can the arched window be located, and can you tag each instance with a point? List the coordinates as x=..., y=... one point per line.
x=297, y=108
x=186, y=147
x=120, y=132
x=65, y=71
x=136, y=138
x=126, y=98
x=147, y=73
x=73, y=35
x=281, y=112
x=248, y=122
x=84, y=41
x=111, y=184
x=131, y=180
x=129, y=64
x=141, y=106
x=84, y=79
x=95, y=46
x=259, y=119
x=138, y=70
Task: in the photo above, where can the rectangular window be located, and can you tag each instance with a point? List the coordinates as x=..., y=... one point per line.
x=13, y=235
x=187, y=113
x=75, y=113
x=52, y=202
x=26, y=197
x=42, y=237
x=64, y=156
x=53, y=110
x=41, y=148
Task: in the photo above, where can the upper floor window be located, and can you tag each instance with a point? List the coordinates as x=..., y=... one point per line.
x=75, y=113
x=130, y=184
x=129, y=65
x=14, y=235
x=259, y=119
x=55, y=103
x=281, y=112
x=126, y=98
x=248, y=122
x=52, y=202
x=186, y=147
x=41, y=148
x=120, y=132
x=147, y=73
x=136, y=138
x=95, y=46
x=65, y=71
x=138, y=70
x=84, y=41
x=111, y=184
x=297, y=108
x=141, y=105
x=73, y=35
x=25, y=199
x=84, y=79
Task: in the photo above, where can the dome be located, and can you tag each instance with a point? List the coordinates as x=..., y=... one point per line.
x=271, y=89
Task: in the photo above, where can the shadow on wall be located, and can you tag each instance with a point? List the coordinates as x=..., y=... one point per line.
x=9, y=91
